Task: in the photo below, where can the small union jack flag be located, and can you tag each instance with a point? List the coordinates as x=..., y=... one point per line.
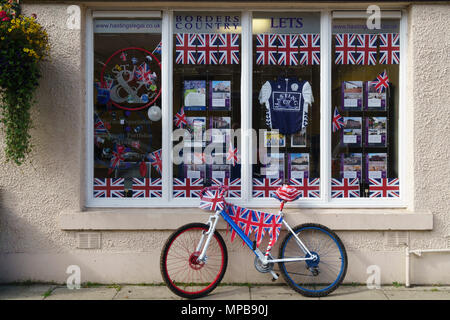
x=345, y=188
x=287, y=50
x=275, y=222
x=384, y=188
x=238, y=214
x=109, y=188
x=212, y=200
x=232, y=155
x=156, y=160
x=147, y=188
x=158, y=48
x=309, y=49
x=310, y=188
x=345, y=48
x=228, y=48
x=187, y=187
x=185, y=48
x=143, y=73
x=207, y=48
x=265, y=187
x=123, y=56
x=180, y=119
x=338, y=120
x=381, y=82
x=266, y=49
x=99, y=126
x=366, y=49
x=116, y=158
x=234, y=186
x=389, y=48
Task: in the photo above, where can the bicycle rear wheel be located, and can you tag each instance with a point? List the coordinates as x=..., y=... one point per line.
x=182, y=272
x=314, y=278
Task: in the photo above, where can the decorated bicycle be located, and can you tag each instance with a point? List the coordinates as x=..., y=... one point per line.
x=311, y=258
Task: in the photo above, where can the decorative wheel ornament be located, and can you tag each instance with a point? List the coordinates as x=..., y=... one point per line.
x=132, y=76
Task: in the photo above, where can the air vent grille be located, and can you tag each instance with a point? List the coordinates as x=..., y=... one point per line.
x=89, y=240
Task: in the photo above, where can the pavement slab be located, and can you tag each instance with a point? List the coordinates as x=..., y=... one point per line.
x=96, y=293
x=130, y=292
x=22, y=292
x=431, y=294
x=276, y=293
x=229, y=293
x=355, y=293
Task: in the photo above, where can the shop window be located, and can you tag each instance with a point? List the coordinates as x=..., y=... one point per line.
x=127, y=109
x=286, y=102
x=206, y=102
x=365, y=102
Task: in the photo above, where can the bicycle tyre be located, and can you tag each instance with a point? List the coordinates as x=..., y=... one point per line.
x=291, y=270
x=178, y=262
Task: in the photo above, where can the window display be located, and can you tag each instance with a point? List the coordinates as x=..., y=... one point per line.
x=206, y=101
x=365, y=100
x=127, y=126
x=286, y=114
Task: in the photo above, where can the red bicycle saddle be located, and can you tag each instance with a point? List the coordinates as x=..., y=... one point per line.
x=287, y=193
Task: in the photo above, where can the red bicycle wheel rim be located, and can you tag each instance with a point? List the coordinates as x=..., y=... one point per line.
x=220, y=270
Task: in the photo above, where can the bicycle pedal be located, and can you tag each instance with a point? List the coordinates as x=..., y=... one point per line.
x=275, y=279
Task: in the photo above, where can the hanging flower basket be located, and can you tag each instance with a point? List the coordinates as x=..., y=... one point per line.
x=23, y=45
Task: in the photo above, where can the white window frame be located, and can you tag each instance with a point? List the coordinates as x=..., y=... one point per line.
x=167, y=200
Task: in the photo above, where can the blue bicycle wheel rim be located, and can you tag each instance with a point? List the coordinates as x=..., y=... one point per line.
x=340, y=251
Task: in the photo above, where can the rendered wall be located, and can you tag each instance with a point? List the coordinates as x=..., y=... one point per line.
x=34, y=196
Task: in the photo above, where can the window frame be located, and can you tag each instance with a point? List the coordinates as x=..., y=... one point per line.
x=167, y=201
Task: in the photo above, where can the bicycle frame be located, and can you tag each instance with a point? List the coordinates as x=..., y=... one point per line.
x=264, y=258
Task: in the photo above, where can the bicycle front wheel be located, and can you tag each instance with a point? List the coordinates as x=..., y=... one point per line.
x=183, y=273
x=319, y=277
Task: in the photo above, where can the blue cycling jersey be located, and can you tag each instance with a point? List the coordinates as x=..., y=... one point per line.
x=286, y=101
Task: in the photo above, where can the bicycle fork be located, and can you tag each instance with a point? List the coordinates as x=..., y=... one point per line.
x=212, y=223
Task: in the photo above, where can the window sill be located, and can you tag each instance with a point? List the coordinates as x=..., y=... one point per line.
x=170, y=219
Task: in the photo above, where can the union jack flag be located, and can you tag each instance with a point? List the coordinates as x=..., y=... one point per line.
x=147, y=188
x=180, y=119
x=185, y=48
x=109, y=188
x=265, y=187
x=123, y=56
x=345, y=188
x=338, y=120
x=287, y=50
x=207, y=48
x=228, y=48
x=239, y=216
x=243, y=218
x=211, y=200
x=309, y=49
x=143, y=73
x=345, y=48
x=310, y=188
x=156, y=160
x=366, y=49
x=158, y=48
x=234, y=186
x=266, y=49
x=274, y=230
x=261, y=223
x=232, y=155
x=384, y=188
x=389, y=48
x=187, y=187
x=99, y=126
x=116, y=158
x=381, y=82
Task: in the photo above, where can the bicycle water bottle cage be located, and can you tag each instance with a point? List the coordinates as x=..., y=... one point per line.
x=287, y=193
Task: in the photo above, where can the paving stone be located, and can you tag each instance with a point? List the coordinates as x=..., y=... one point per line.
x=276, y=293
x=228, y=293
x=146, y=293
x=355, y=293
x=21, y=292
x=96, y=293
x=417, y=294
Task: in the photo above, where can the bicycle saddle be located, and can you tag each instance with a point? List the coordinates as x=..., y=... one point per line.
x=287, y=193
